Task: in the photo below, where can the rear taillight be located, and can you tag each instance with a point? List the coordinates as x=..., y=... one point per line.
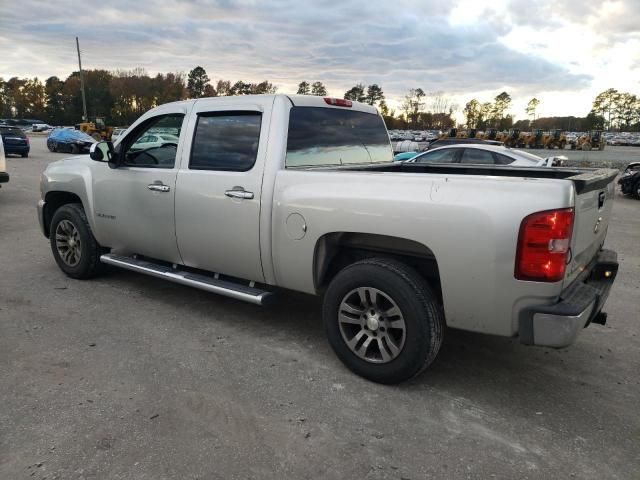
x=338, y=102
x=26, y=140
x=543, y=245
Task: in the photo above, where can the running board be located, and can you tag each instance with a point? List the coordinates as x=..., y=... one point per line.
x=238, y=291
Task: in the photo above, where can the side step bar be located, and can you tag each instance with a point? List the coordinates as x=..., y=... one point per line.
x=210, y=284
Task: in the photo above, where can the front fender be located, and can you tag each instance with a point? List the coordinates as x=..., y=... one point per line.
x=73, y=176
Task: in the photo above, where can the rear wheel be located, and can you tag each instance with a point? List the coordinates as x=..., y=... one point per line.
x=586, y=147
x=24, y=155
x=74, y=247
x=636, y=190
x=382, y=320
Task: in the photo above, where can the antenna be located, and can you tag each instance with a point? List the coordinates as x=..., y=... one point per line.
x=84, y=99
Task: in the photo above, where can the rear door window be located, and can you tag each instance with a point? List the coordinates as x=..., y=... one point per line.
x=446, y=155
x=503, y=159
x=331, y=136
x=226, y=141
x=475, y=156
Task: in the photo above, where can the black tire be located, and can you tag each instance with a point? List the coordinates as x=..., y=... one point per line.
x=423, y=318
x=24, y=155
x=88, y=265
x=75, y=149
x=635, y=191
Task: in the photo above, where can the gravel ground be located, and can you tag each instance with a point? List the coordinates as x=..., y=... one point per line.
x=128, y=377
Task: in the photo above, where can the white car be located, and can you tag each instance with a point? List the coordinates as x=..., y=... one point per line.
x=4, y=176
x=153, y=140
x=117, y=132
x=480, y=154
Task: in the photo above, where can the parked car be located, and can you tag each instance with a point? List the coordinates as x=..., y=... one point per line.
x=15, y=141
x=4, y=176
x=154, y=140
x=68, y=140
x=402, y=156
x=300, y=192
x=482, y=154
x=117, y=132
x=630, y=180
x=41, y=127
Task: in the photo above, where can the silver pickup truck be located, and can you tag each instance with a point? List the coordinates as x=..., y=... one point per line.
x=241, y=196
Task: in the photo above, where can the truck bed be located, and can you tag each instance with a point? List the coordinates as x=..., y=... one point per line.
x=584, y=179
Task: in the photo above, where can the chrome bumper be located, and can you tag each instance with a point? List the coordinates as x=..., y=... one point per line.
x=558, y=325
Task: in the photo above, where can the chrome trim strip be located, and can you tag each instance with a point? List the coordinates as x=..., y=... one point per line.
x=180, y=277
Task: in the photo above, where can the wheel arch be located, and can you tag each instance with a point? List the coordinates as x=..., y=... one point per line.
x=336, y=250
x=53, y=201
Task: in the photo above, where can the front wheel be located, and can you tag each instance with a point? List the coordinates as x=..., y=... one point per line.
x=382, y=320
x=74, y=247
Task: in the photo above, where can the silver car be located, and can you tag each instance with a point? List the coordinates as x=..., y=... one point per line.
x=480, y=154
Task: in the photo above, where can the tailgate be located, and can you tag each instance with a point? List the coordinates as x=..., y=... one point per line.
x=593, y=203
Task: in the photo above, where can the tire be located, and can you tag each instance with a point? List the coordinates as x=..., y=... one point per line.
x=410, y=345
x=74, y=149
x=563, y=145
x=635, y=191
x=24, y=155
x=586, y=147
x=70, y=222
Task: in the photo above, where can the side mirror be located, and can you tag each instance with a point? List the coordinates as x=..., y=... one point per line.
x=102, y=152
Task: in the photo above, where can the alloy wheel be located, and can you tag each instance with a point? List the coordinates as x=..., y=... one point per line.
x=372, y=325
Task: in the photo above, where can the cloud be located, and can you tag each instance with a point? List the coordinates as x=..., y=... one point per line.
x=399, y=45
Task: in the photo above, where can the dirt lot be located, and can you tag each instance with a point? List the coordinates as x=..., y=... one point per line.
x=130, y=377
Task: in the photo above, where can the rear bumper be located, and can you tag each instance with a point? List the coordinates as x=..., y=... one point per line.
x=581, y=303
x=4, y=177
x=16, y=149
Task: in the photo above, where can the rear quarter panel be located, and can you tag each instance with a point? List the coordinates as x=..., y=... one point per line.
x=471, y=224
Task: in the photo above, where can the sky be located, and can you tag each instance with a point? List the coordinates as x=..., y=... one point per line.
x=563, y=52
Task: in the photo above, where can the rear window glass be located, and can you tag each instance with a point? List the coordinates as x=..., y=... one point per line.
x=12, y=131
x=226, y=141
x=331, y=136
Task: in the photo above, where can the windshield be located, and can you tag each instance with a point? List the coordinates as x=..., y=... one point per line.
x=330, y=136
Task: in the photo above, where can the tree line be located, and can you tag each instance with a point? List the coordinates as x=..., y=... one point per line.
x=610, y=110
x=122, y=96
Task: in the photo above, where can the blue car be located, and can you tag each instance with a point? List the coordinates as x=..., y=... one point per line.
x=401, y=157
x=67, y=140
x=15, y=141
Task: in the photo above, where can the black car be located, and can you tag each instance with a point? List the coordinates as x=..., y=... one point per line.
x=15, y=141
x=630, y=180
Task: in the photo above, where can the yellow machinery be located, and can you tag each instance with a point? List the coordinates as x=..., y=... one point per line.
x=558, y=139
x=513, y=138
x=453, y=133
x=537, y=139
x=589, y=141
x=97, y=129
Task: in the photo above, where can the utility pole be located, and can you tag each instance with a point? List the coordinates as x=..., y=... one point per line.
x=84, y=99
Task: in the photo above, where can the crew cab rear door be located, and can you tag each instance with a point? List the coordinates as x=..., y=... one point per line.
x=219, y=186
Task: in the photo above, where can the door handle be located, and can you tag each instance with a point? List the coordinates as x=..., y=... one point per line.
x=159, y=187
x=238, y=193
